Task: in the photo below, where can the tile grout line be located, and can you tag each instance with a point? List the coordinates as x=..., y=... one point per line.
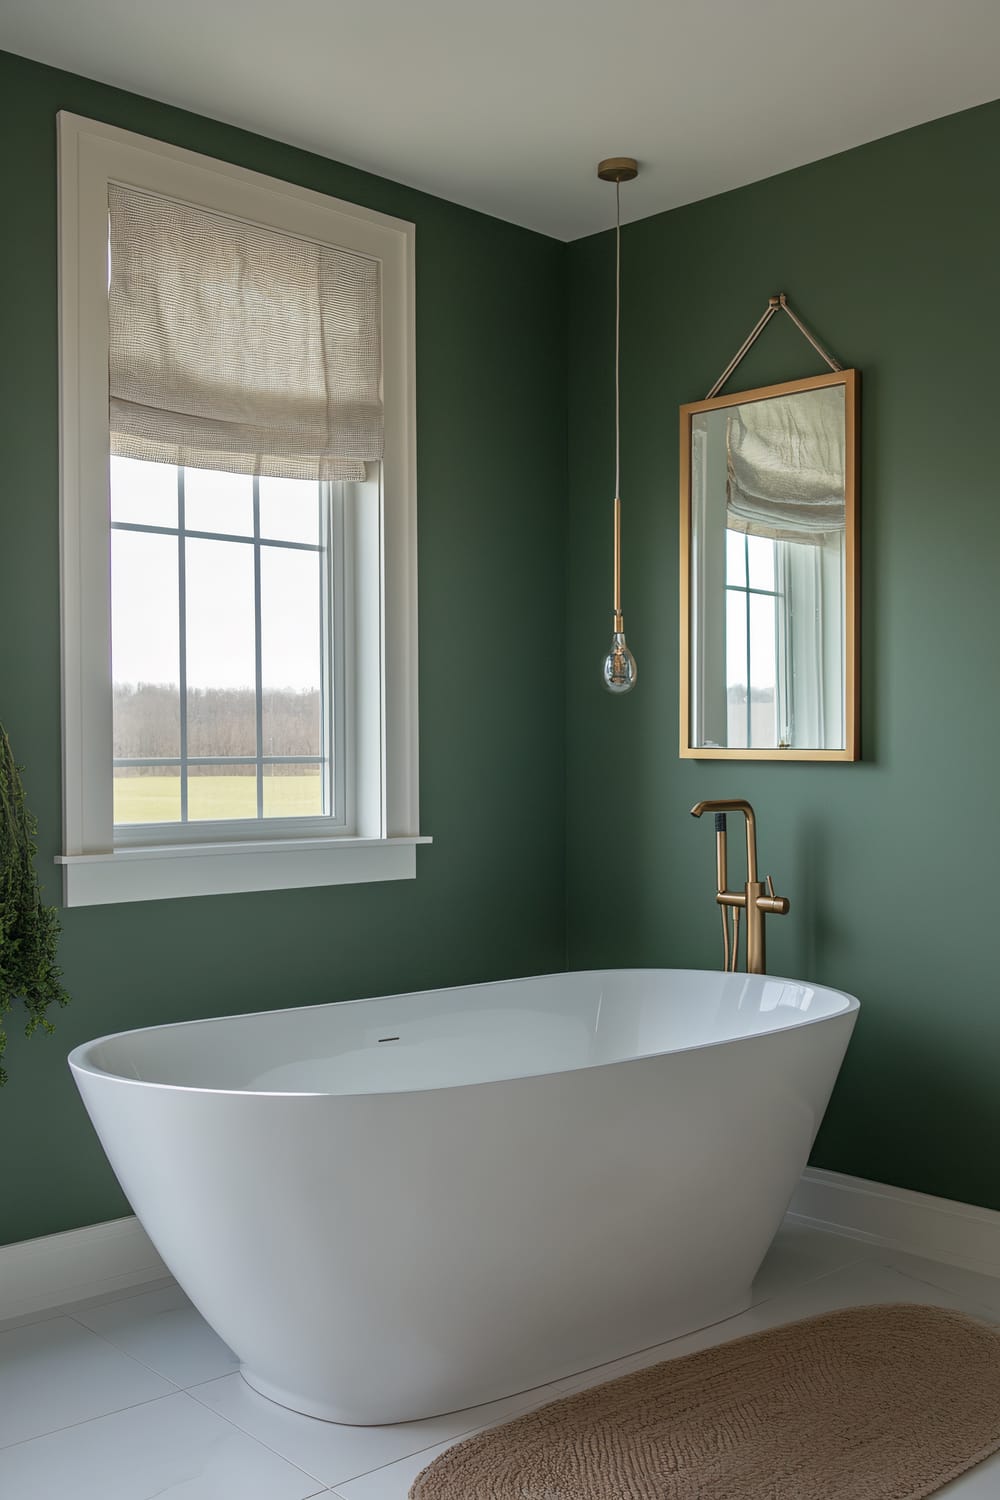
x=30, y=1317
x=797, y=1285
x=169, y=1396
x=401, y=1457
x=178, y=1390
x=18, y=1321
x=66, y=1426
x=191, y=1390
x=981, y=1307
x=125, y=1355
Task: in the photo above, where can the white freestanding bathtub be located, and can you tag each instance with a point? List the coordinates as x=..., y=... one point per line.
x=398, y=1207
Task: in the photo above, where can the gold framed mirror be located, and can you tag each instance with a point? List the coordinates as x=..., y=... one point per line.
x=769, y=594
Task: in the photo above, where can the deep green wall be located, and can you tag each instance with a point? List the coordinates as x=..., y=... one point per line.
x=890, y=253
x=488, y=901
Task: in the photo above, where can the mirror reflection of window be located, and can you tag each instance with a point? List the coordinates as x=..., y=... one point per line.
x=755, y=606
x=784, y=666
x=768, y=499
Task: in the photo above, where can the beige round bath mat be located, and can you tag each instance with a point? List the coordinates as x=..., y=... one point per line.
x=870, y=1403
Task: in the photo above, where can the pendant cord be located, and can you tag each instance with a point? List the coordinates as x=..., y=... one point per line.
x=618, y=334
x=619, y=665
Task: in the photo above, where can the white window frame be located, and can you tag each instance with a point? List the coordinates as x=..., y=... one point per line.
x=381, y=591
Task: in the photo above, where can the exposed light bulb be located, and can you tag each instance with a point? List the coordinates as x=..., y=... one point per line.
x=620, y=670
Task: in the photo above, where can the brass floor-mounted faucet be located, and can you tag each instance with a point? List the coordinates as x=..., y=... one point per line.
x=752, y=899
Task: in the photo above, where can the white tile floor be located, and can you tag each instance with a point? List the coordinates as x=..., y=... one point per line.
x=131, y=1396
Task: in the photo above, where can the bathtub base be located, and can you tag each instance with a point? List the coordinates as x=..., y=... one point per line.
x=347, y=1415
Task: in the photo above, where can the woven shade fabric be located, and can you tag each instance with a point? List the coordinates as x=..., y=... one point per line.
x=786, y=466
x=239, y=348
x=867, y=1403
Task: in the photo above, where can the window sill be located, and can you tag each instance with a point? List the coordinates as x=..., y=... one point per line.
x=162, y=872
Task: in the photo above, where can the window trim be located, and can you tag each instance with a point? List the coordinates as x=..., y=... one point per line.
x=381, y=681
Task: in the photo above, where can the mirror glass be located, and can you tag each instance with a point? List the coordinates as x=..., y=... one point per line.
x=769, y=560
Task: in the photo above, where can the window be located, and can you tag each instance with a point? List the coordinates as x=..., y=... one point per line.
x=239, y=603
x=227, y=671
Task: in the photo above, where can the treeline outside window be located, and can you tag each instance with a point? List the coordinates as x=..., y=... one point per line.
x=220, y=720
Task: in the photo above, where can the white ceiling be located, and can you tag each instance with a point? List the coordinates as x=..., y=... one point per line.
x=507, y=106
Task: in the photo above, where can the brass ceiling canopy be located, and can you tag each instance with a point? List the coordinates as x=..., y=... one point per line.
x=618, y=169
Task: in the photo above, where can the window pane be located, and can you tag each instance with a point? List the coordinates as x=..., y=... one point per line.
x=147, y=794
x=220, y=641
x=763, y=671
x=290, y=586
x=145, y=644
x=289, y=510
x=736, y=668
x=145, y=494
x=218, y=502
x=760, y=555
x=293, y=791
x=736, y=567
x=221, y=656
x=216, y=793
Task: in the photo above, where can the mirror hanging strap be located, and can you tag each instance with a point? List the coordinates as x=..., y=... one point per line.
x=773, y=305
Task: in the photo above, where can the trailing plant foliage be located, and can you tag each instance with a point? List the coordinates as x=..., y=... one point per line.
x=29, y=931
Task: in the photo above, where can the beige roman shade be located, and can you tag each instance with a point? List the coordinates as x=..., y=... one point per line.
x=786, y=466
x=239, y=348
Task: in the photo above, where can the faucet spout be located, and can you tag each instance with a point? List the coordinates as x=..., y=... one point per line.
x=737, y=804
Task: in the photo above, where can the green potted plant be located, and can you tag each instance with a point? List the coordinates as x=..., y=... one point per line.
x=29, y=931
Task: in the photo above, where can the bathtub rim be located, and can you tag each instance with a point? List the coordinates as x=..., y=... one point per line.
x=79, y=1064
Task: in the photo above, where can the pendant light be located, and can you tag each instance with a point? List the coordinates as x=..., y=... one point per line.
x=620, y=671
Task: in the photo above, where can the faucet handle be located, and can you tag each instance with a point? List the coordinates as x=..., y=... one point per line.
x=776, y=904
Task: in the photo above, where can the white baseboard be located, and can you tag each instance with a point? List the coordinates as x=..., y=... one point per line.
x=960, y=1234
x=61, y=1268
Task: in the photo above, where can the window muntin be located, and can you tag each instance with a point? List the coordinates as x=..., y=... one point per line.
x=224, y=663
